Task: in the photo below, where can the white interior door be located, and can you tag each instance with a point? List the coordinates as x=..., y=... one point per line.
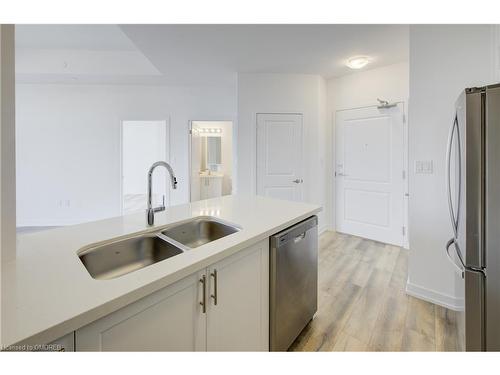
x=370, y=175
x=143, y=143
x=279, y=156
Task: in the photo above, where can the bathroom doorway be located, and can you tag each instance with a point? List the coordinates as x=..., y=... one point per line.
x=211, y=158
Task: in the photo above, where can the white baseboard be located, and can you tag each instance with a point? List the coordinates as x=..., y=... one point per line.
x=429, y=295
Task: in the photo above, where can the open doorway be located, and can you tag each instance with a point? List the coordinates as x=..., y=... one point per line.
x=211, y=148
x=143, y=143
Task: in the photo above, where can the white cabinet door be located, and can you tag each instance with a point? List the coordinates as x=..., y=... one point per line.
x=211, y=187
x=238, y=301
x=170, y=319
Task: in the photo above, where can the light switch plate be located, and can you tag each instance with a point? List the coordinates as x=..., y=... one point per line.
x=424, y=167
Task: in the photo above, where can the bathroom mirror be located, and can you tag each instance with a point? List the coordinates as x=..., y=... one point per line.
x=213, y=151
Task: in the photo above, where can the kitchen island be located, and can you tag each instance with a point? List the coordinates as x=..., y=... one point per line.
x=48, y=293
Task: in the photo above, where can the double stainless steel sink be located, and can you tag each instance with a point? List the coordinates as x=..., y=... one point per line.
x=117, y=258
x=124, y=256
x=199, y=231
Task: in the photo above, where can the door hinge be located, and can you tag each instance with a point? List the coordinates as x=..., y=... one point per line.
x=404, y=230
x=190, y=131
x=404, y=174
x=404, y=118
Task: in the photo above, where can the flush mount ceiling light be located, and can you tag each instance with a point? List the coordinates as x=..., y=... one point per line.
x=358, y=62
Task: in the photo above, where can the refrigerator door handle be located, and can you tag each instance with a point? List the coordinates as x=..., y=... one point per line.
x=460, y=268
x=459, y=200
x=454, y=219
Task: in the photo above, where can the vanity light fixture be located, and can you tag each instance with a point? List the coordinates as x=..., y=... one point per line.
x=210, y=130
x=358, y=62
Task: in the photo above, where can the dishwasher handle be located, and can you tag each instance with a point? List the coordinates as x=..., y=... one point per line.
x=299, y=238
x=295, y=233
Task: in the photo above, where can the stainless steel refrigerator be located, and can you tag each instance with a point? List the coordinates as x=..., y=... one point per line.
x=473, y=184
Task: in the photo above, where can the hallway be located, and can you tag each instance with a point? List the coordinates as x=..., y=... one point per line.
x=363, y=305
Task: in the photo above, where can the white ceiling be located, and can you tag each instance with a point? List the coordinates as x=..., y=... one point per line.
x=200, y=54
x=90, y=37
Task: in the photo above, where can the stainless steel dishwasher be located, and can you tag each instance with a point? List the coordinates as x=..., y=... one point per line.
x=293, y=282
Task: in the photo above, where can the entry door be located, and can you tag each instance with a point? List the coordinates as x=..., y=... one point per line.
x=279, y=156
x=369, y=173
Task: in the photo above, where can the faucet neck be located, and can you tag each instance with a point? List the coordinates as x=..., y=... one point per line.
x=173, y=181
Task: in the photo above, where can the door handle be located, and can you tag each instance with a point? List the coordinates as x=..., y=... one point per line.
x=299, y=238
x=460, y=268
x=454, y=219
x=340, y=174
x=203, y=302
x=214, y=296
x=459, y=146
x=298, y=181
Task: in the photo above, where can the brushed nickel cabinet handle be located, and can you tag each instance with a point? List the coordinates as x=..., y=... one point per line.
x=203, y=303
x=214, y=296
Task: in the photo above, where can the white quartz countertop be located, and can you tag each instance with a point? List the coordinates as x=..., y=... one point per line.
x=47, y=292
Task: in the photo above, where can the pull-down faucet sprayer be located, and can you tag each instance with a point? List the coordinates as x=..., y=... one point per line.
x=151, y=211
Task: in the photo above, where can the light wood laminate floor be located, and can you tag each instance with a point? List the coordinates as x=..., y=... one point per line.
x=363, y=306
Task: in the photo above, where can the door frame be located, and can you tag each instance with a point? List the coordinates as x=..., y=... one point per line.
x=168, y=154
x=305, y=184
x=333, y=198
x=233, y=146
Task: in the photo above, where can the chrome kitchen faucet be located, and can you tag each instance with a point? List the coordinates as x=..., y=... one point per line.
x=151, y=211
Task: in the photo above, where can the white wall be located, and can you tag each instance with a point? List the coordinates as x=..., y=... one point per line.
x=443, y=61
x=143, y=143
x=283, y=93
x=227, y=156
x=360, y=89
x=68, y=139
